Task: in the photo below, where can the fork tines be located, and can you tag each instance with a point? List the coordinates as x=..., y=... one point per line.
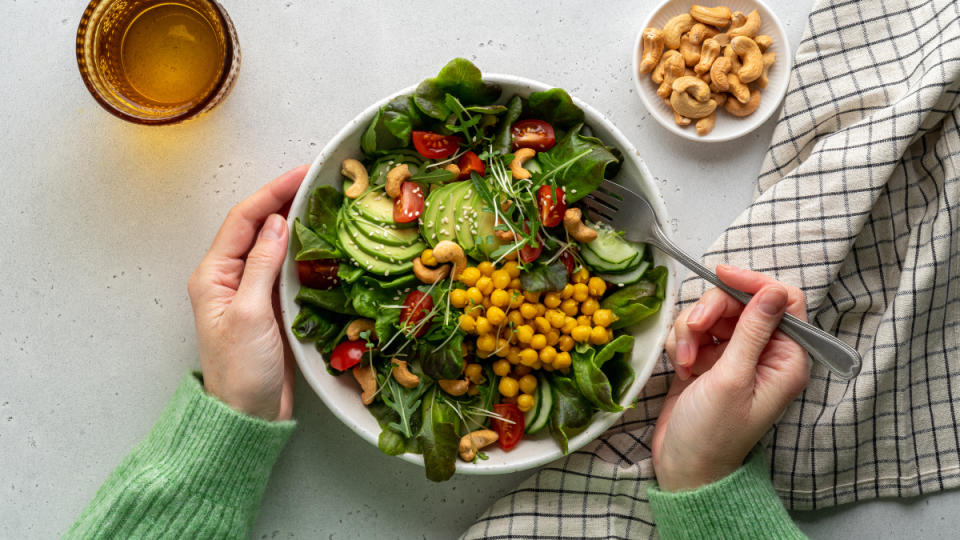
x=604, y=202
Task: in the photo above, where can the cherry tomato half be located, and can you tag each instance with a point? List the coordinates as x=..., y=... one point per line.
x=510, y=434
x=416, y=306
x=529, y=253
x=535, y=134
x=551, y=212
x=347, y=354
x=319, y=274
x=409, y=205
x=434, y=145
x=567, y=259
x=470, y=162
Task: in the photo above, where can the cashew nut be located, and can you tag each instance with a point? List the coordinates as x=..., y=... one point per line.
x=429, y=275
x=674, y=28
x=720, y=98
x=734, y=59
x=768, y=59
x=453, y=169
x=403, y=375
x=722, y=38
x=737, y=89
x=368, y=382
x=657, y=74
x=475, y=440
x=749, y=25
x=751, y=58
x=682, y=121
x=519, y=158
x=652, y=49
x=705, y=124
x=736, y=108
x=354, y=170
x=451, y=252
x=709, y=52
x=457, y=387
x=689, y=50
x=576, y=228
x=395, y=178
x=764, y=42
x=717, y=16
x=358, y=325
x=504, y=236
x=674, y=69
x=700, y=32
x=718, y=74
x=687, y=106
x=693, y=86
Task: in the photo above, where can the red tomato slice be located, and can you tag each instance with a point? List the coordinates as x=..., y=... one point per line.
x=434, y=145
x=319, y=274
x=347, y=354
x=551, y=213
x=416, y=306
x=510, y=434
x=470, y=162
x=535, y=134
x=409, y=205
x=527, y=252
x=567, y=259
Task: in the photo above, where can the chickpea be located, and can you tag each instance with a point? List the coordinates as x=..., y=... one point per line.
x=516, y=299
x=528, y=356
x=467, y=323
x=485, y=284
x=515, y=318
x=458, y=298
x=469, y=276
x=515, y=283
x=541, y=309
x=474, y=372
x=532, y=297
x=427, y=258
x=565, y=343
x=500, y=298
x=528, y=384
x=555, y=317
x=521, y=370
x=603, y=317
x=581, y=276
x=596, y=286
x=486, y=343
x=508, y=386
x=553, y=337
x=501, y=279
x=539, y=341
x=567, y=291
x=542, y=325
x=584, y=320
x=503, y=348
x=598, y=336
x=512, y=269
x=569, y=323
x=580, y=292
x=496, y=316
x=548, y=354
x=513, y=356
x=552, y=300
x=474, y=296
x=484, y=327
x=562, y=361
x=525, y=402
x=581, y=334
x=528, y=310
x=570, y=307
x=590, y=306
x=485, y=268
x=524, y=333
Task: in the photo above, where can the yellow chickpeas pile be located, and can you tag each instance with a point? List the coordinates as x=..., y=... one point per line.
x=527, y=331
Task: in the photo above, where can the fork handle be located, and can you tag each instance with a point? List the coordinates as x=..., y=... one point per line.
x=825, y=348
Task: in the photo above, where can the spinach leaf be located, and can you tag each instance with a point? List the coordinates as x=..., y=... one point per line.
x=576, y=163
x=391, y=127
x=313, y=323
x=438, y=437
x=390, y=442
x=349, y=273
x=590, y=378
x=322, y=208
x=487, y=109
x=545, y=277
x=461, y=79
x=503, y=140
x=370, y=295
x=334, y=300
x=636, y=302
x=555, y=106
x=484, y=400
x=620, y=374
x=571, y=411
x=312, y=245
x=442, y=359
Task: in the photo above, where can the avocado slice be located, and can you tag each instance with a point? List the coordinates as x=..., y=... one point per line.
x=486, y=242
x=390, y=236
x=466, y=217
x=449, y=211
x=435, y=200
x=378, y=250
x=364, y=260
x=377, y=207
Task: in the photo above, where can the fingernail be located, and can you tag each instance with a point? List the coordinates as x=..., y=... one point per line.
x=273, y=227
x=696, y=314
x=683, y=352
x=773, y=300
x=683, y=373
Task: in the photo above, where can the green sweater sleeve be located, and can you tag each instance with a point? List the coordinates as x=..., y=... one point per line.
x=200, y=473
x=741, y=505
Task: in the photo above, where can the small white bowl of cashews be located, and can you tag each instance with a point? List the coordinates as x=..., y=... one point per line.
x=714, y=71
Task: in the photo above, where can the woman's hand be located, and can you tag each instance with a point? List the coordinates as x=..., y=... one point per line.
x=241, y=346
x=735, y=375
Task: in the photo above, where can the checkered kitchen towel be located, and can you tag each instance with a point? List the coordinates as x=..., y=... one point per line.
x=858, y=203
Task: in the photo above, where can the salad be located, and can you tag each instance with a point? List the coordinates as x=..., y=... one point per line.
x=455, y=279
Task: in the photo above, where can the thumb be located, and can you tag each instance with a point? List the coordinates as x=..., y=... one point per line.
x=264, y=261
x=757, y=323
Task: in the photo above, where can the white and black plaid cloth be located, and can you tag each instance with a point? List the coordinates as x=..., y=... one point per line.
x=858, y=203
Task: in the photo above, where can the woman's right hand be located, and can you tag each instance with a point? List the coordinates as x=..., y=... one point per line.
x=735, y=375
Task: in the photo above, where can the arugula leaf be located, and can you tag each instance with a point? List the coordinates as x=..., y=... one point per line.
x=503, y=140
x=438, y=437
x=404, y=401
x=322, y=209
x=571, y=411
x=459, y=78
x=639, y=301
x=576, y=163
x=312, y=245
x=390, y=442
x=555, y=106
x=545, y=277
x=590, y=378
x=334, y=300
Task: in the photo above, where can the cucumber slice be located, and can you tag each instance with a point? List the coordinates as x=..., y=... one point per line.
x=603, y=266
x=544, y=406
x=626, y=278
x=613, y=248
x=531, y=415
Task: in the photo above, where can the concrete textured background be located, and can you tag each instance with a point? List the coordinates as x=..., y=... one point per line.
x=103, y=222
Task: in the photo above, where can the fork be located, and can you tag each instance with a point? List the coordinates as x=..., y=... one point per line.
x=604, y=205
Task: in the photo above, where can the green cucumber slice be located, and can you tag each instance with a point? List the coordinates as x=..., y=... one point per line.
x=626, y=278
x=544, y=405
x=602, y=266
x=613, y=248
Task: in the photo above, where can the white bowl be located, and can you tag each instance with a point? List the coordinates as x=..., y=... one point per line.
x=728, y=127
x=342, y=394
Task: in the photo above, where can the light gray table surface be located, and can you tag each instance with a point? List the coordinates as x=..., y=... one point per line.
x=103, y=221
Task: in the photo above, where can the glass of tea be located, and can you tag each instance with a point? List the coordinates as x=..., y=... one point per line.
x=157, y=61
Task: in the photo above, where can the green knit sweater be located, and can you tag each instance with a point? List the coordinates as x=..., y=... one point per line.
x=201, y=472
